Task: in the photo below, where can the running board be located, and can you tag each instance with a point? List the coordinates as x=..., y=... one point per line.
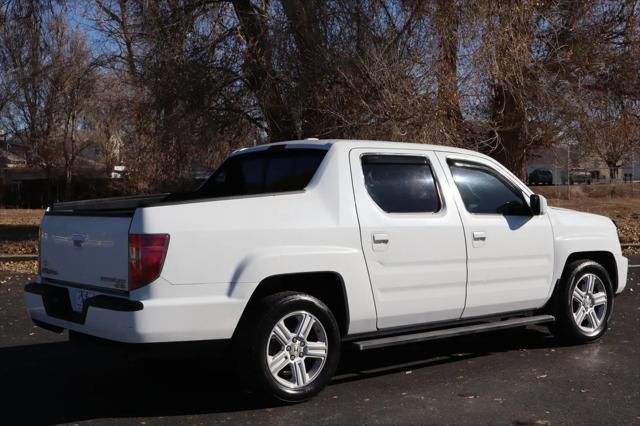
x=451, y=332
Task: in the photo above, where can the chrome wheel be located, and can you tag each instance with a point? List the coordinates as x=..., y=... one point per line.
x=589, y=303
x=297, y=349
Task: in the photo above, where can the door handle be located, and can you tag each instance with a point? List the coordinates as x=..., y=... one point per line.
x=380, y=238
x=479, y=236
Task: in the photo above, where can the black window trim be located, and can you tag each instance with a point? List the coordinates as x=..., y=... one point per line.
x=474, y=165
x=442, y=207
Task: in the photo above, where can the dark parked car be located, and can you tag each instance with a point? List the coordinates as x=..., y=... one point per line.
x=579, y=176
x=540, y=177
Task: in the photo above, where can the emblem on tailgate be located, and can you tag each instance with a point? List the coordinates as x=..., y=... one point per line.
x=79, y=239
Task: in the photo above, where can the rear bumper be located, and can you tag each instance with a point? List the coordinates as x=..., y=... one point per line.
x=122, y=320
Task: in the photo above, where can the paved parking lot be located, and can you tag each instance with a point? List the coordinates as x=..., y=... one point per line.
x=514, y=377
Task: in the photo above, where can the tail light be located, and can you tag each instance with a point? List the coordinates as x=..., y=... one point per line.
x=146, y=257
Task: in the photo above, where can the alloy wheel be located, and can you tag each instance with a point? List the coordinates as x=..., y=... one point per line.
x=589, y=303
x=297, y=349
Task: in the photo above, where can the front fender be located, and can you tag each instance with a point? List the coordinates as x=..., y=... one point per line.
x=577, y=232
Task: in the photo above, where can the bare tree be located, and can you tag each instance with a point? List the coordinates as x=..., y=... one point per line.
x=610, y=131
x=447, y=18
x=180, y=65
x=30, y=114
x=49, y=73
x=178, y=84
x=259, y=71
x=72, y=78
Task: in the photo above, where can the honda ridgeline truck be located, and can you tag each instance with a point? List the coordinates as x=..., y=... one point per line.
x=291, y=250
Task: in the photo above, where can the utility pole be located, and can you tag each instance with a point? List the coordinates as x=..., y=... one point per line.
x=568, y=171
x=556, y=173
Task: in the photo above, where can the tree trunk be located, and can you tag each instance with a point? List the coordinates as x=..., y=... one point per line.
x=302, y=20
x=447, y=22
x=260, y=74
x=509, y=118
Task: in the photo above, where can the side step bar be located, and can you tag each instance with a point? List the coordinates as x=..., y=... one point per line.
x=451, y=332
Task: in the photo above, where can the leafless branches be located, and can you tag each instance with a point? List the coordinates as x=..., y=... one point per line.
x=173, y=83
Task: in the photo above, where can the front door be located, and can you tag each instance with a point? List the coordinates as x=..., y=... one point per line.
x=412, y=236
x=510, y=251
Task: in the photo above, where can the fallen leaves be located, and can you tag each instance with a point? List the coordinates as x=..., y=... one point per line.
x=19, y=235
x=23, y=267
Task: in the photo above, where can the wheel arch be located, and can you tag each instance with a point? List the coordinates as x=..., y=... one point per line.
x=604, y=258
x=327, y=286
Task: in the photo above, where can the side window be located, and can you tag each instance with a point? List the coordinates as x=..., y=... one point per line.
x=401, y=183
x=483, y=191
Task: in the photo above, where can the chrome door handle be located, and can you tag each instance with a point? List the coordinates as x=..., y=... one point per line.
x=380, y=238
x=479, y=236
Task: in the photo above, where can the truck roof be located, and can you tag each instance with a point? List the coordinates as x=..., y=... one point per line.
x=355, y=143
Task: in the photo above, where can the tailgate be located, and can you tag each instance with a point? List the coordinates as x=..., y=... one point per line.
x=86, y=250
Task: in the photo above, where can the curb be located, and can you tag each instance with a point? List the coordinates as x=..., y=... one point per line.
x=17, y=257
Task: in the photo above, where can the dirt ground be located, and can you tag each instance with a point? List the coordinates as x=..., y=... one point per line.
x=19, y=235
x=19, y=228
x=19, y=231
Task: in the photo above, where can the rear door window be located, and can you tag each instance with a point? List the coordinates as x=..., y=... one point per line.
x=401, y=183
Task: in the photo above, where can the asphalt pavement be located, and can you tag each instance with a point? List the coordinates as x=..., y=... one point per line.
x=521, y=377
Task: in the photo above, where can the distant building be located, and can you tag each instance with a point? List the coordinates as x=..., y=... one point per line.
x=562, y=159
x=24, y=185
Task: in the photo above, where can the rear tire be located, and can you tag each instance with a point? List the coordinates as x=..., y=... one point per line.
x=584, y=302
x=288, y=348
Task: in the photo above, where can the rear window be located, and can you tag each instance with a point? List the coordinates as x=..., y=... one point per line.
x=273, y=170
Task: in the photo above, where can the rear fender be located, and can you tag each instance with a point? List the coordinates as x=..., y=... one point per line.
x=345, y=261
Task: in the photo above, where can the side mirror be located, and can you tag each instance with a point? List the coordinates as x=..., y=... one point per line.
x=538, y=204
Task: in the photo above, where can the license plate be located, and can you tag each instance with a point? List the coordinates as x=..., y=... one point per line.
x=78, y=297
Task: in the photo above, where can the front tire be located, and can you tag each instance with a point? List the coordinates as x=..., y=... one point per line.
x=585, y=302
x=289, y=347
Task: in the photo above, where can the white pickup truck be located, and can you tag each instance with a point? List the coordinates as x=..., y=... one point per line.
x=290, y=250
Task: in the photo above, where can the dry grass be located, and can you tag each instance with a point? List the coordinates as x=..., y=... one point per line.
x=20, y=217
x=19, y=231
x=22, y=267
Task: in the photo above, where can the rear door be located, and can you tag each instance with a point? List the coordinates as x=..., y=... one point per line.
x=411, y=234
x=510, y=251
